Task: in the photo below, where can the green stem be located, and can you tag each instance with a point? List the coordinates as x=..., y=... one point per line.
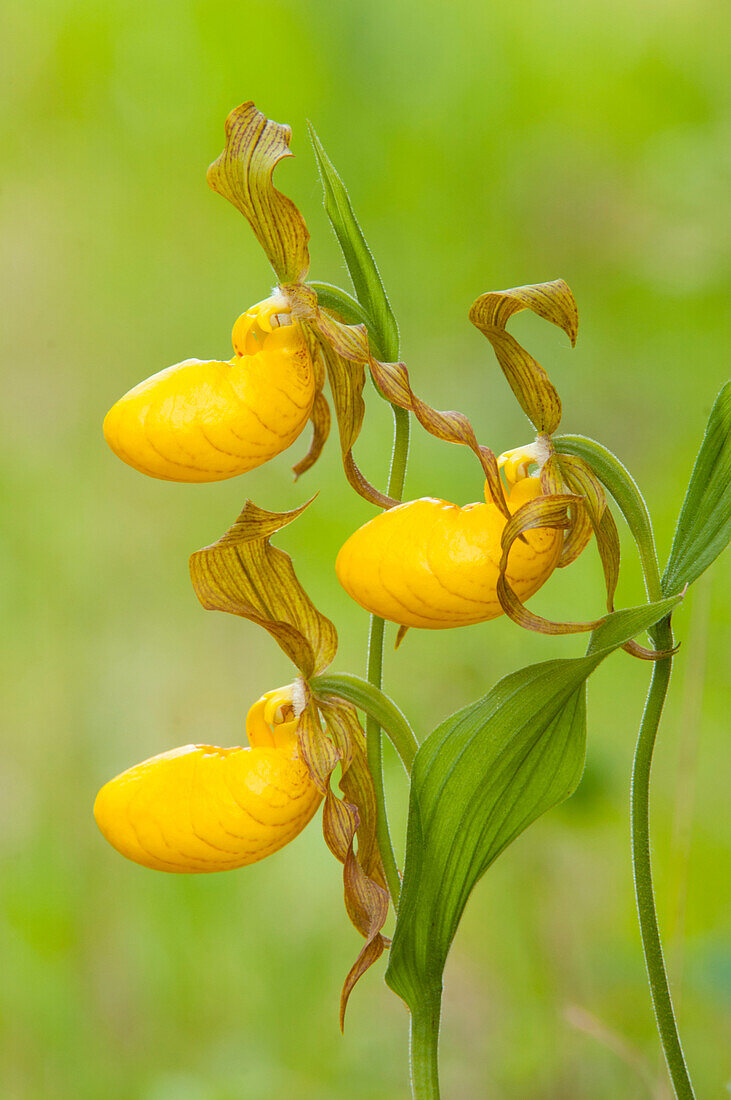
x=642, y=864
x=377, y=705
x=424, y=1051
x=625, y=491
x=374, y=745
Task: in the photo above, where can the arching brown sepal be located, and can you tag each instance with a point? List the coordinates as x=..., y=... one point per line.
x=243, y=574
x=528, y=380
x=243, y=175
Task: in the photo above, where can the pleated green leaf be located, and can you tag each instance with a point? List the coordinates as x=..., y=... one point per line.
x=478, y=781
x=367, y=282
x=704, y=527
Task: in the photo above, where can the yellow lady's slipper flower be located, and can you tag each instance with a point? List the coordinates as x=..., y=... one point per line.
x=431, y=564
x=200, y=808
x=209, y=420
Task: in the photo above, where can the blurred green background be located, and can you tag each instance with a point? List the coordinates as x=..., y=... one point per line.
x=485, y=146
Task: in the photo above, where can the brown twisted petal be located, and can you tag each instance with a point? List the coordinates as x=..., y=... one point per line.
x=366, y=898
x=356, y=782
x=320, y=415
x=453, y=427
x=545, y=511
x=580, y=478
x=490, y=313
x=580, y=531
x=320, y=418
x=347, y=345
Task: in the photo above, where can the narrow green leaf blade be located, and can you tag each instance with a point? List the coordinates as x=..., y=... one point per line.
x=369, y=289
x=478, y=781
x=621, y=626
x=704, y=527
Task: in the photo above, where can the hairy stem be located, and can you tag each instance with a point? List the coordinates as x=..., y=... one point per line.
x=625, y=491
x=642, y=865
x=423, y=1052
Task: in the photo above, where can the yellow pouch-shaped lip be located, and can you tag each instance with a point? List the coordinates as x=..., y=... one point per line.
x=431, y=564
x=200, y=808
x=201, y=421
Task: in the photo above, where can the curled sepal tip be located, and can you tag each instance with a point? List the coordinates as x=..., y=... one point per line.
x=243, y=174
x=542, y=513
x=593, y=515
x=243, y=574
x=490, y=313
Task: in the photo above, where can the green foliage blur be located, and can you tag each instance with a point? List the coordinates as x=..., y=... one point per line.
x=484, y=146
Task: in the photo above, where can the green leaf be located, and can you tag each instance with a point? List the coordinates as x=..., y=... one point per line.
x=369, y=289
x=704, y=527
x=478, y=781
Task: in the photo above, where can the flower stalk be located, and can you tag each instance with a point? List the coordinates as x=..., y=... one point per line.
x=424, y=1051
x=642, y=867
x=374, y=739
x=631, y=503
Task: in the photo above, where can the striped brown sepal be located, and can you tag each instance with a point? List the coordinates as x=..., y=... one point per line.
x=243, y=175
x=528, y=380
x=243, y=574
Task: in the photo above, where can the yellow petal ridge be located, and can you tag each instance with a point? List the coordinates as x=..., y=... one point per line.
x=201, y=808
x=208, y=420
x=435, y=565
